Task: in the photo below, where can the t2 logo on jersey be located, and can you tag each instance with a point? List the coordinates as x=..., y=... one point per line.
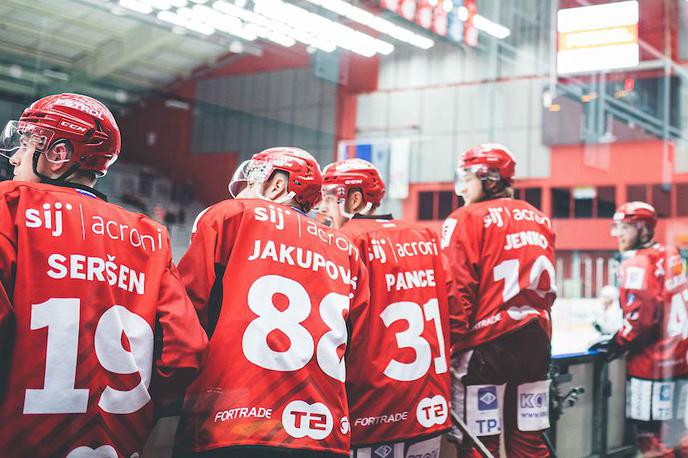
x=344, y=425
x=301, y=419
x=49, y=218
x=104, y=451
x=432, y=411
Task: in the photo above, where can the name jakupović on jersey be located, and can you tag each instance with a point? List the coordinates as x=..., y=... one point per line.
x=298, y=256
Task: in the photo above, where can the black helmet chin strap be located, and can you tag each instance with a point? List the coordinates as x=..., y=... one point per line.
x=62, y=178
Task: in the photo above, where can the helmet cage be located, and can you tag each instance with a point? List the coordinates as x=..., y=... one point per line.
x=341, y=192
x=255, y=172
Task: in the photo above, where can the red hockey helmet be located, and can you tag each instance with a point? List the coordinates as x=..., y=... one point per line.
x=342, y=176
x=636, y=212
x=82, y=123
x=489, y=161
x=305, y=179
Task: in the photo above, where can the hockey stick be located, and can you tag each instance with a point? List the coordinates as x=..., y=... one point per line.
x=484, y=452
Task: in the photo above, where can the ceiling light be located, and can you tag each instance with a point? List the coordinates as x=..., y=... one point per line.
x=137, y=6
x=368, y=19
x=158, y=4
x=492, y=28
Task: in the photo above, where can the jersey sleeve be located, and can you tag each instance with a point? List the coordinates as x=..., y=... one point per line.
x=641, y=303
x=458, y=321
x=8, y=262
x=207, y=255
x=359, y=309
x=181, y=342
x=461, y=240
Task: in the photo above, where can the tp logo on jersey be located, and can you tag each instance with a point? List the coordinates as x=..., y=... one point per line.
x=483, y=409
x=666, y=392
x=432, y=411
x=383, y=451
x=301, y=419
x=487, y=398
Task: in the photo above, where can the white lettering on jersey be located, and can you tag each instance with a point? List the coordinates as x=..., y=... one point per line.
x=524, y=214
x=377, y=250
x=489, y=321
x=49, y=218
x=117, y=231
x=411, y=279
x=301, y=257
x=279, y=217
x=93, y=268
x=390, y=418
x=635, y=277
x=494, y=216
x=272, y=214
x=236, y=413
x=417, y=248
x=447, y=231
x=332, y=238
x=525, y=238
x=674, y=282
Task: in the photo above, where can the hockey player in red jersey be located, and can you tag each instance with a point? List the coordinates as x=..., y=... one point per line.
x=95, y=325
x=277, y=292
x=653, y=294
x=397, y=376
x=501, y=253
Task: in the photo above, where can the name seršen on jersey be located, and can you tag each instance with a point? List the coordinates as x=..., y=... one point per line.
x=51, y=220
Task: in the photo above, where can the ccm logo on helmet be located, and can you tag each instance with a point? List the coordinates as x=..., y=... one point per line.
x=73, y=127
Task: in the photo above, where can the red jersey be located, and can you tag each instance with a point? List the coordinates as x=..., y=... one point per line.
x=501, y=254
x=397, y=377
x=278, y=291
x=653, y=294
x=94, y=321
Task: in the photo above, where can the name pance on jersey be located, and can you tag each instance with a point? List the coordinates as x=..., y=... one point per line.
x=411, y=279
x=372, y=421
x=93, y=268
x=301, y=257
x=243, y=412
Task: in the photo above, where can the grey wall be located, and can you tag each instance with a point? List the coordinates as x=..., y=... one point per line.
x=253, y=112
x=450, y=99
